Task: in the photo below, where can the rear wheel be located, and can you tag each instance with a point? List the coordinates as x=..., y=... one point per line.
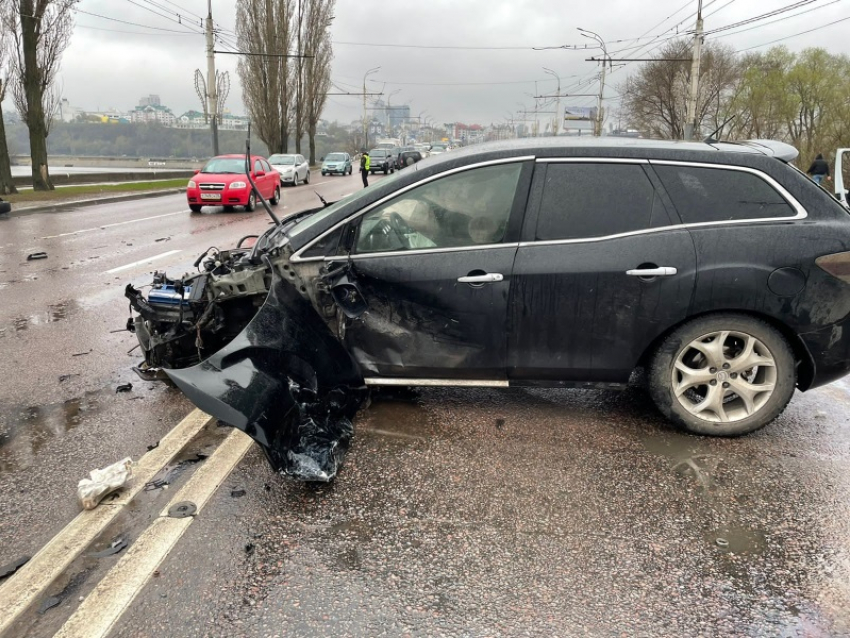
x=252, y=202
x=723, y=375
x=195, y=208
x=276, y=197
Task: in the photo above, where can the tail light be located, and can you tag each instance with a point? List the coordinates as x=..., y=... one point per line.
x=837, y=265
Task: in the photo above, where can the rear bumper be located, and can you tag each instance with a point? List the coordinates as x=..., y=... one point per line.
x=829, y=351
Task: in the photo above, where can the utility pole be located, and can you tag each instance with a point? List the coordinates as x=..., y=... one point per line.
x=557, y=100
x=691, y=123
x=597, y=130
x=212, y=89
x=365, y=121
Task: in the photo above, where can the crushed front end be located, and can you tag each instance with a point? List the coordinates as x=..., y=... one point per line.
x=243, y=340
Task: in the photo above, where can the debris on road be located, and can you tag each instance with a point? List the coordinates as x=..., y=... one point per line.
x=167, y=475
x=183, y=509
x=48, y=603
x=124, y=387
x=102, y=482
x=114, y=547
x=153, y=446
x=237, y=493
x=163, y=239
x=34, y=256
x=11, y=568
x=80, y=354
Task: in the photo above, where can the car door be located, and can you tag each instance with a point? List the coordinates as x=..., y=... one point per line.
x=434, y=265
x=271, y=182
x=260, y=179
x=603, y=269
x=302, y=168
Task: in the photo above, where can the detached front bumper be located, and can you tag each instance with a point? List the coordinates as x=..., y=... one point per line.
x=287, y=382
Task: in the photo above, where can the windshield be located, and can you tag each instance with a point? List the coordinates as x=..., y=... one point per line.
x=335, y=157
x=282, y=160
x=377, y=153
x=221, y=165
x=308, y=222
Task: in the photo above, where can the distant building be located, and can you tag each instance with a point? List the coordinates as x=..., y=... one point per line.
x=197, y=120
x=153, y=114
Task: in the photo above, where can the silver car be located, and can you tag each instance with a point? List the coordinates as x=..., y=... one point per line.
x=293, y=168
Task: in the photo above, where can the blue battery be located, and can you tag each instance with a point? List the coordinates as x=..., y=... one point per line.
x=167, y=295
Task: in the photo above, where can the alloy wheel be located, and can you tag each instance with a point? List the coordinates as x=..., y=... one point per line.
x=724, y=376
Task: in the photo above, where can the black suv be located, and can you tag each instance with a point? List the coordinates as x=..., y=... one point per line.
x=408, y=157
x=718, y=267
x=382, y=159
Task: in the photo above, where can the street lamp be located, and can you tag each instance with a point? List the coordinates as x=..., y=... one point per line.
x=365, y=121
x=557, y=100
x=595, y=36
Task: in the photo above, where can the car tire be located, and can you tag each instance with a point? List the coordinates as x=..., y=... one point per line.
x=195, y=208
x=276, y=197
x=307, y=178
x=692, y=380
x=252, y=203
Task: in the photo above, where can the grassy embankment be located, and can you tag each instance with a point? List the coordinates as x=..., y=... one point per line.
x=93, y=190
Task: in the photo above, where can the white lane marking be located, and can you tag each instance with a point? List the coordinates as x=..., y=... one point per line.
x=141, y=261
x=129, y=221
x=103, y=607
x=29, y=583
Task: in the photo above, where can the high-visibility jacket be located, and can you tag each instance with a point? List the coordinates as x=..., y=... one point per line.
x=365, y=162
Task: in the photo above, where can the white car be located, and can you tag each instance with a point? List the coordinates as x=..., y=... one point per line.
x=292, y=168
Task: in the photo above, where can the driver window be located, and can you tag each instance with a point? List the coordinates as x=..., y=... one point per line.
x=466, y=209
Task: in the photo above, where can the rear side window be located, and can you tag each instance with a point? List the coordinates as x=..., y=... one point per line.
x=718, y=194
x=596, y=200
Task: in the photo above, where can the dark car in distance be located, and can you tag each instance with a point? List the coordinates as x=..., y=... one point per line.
x=409, y=158
x=717, y=267
x=382, y=159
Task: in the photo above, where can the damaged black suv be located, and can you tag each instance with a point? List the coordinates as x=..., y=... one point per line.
x=718, y=267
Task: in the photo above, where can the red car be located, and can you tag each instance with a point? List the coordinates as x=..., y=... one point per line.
x=222, y=182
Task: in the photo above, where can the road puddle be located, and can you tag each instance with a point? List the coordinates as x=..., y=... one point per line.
x=399, y=419
x=54, y=313
x=24, y=431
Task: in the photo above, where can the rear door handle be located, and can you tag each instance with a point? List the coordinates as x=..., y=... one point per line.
x=661, y=271
x=486, y=278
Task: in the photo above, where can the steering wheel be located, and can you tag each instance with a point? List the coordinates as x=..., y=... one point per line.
x=394, y=230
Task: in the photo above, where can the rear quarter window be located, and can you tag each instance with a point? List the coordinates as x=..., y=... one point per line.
x=721, y=194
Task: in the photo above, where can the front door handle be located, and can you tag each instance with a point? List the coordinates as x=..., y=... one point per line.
x=486, y=278
x=660, y=271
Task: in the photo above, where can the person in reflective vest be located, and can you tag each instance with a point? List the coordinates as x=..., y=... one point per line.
x=365, y=165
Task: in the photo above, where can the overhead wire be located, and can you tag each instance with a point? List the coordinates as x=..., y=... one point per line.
x=788, y=37
x=135, y=24
x=781, y=19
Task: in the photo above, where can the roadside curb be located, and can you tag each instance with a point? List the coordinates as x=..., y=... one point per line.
x=58, y=206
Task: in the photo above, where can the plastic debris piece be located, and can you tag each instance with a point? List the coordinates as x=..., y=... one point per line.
x=153, y=447
x=163, y=239
x=102, y=482
x=11, y=568
x=116, y=546
x=183, y=509
x=80, y=354
x=722, y=542
x=237, y=493
x=48, y=603
x=64, y=377
x=124, y=387
x=38, y=255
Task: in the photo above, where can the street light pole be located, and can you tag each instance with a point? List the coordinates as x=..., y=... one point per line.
x=599, y=116
x=212, y=88
x=389, y=113
x=365, y=121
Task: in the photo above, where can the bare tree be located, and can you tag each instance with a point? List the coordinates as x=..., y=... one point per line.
x=7, y=186
x=265, y=28
x=317, y=67
x=40, y=31
x=655, y=98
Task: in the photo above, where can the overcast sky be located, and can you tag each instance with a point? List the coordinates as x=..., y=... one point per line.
x=113, y=64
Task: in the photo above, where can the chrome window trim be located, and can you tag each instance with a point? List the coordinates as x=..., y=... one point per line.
x=424, y=251
x=458, y=383
x=296, y=257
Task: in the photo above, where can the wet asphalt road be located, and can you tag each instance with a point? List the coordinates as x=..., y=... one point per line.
x=458, y=513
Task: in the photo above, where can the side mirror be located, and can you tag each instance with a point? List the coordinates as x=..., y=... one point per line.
x=197, y=170
x=260, y=174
